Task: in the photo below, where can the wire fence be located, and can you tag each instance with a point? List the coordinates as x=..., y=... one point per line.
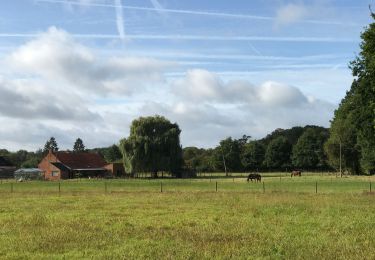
x=270, y=185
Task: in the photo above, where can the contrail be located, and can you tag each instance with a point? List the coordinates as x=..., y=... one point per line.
x=255, y=49
x=157, y=5
x=120, y=19
x=192, y=37
x=191, y=12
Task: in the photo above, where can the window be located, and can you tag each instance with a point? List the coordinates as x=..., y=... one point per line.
x=54, y=173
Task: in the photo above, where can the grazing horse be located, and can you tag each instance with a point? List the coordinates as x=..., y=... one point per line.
x=296, y=173
x=254, y=176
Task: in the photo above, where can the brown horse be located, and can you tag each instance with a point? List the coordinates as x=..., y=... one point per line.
x=296, y=173
x=254, y=176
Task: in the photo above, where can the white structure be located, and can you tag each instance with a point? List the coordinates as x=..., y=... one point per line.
x=29, y=174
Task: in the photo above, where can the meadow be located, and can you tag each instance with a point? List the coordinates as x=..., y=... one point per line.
x=188, y=219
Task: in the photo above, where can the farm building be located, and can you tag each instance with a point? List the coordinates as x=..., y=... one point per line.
x=6, y=168
x=69, y=165
x=29, y=174
x=116, y=169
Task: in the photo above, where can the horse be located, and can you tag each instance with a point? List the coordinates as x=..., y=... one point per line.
x=254, y=176
x=296, y=173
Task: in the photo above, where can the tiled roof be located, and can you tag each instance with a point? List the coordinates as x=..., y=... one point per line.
x=61, y=166
x=80, y=160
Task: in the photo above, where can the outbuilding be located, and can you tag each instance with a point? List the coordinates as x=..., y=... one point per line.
x=69, y=165
x=116, y=169
x=29, y=174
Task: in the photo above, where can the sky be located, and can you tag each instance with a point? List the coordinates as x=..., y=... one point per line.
x=88, y=68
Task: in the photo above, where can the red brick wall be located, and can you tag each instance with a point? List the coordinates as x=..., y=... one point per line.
x=48, y=168
x=116, y=169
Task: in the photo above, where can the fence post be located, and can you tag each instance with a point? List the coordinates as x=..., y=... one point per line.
x=216, y=186
x=316, y=187
x=370, y=187
x=161, y=186
x=264, y=188
x=59, y=188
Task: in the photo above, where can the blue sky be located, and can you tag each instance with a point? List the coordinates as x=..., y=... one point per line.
x=87, y=68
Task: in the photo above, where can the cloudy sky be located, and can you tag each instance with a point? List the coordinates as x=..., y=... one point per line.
x=87, y=68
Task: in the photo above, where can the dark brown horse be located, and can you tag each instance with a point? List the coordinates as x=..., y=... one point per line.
x=296, y=173
x=254, y=176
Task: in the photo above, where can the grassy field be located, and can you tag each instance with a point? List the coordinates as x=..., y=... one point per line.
x=127, y=219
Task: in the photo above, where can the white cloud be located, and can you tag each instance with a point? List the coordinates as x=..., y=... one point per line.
x=49, y=86
x=55, y=55
x=31, y=135
x=318, y=12
x=56, y=86
x=209, y=109
x=199, y=85
x=25, y=99
x=277, y=94
x=291, y=13
x=204, y=86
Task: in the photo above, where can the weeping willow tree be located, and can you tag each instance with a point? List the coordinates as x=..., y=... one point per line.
x=153, y=146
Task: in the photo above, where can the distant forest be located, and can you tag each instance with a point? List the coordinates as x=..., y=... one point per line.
x=282, y=150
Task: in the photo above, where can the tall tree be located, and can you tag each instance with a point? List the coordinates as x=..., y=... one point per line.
x=78, y=146
x=192, y=157
x=308, y=153
x=227, y=155
x=353, y=125
x=252, y=156
x=153, y=145
x=112, y=153
x=51, y=144
x=278, y=153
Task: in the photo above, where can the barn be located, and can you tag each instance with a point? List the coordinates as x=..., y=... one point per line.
x=69, y=165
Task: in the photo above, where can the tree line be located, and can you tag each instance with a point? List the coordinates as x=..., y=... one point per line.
x=298, y=147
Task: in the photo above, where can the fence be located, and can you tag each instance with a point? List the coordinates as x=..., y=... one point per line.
x=226, y=185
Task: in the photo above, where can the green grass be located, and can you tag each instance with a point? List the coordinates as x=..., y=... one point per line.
x=189, y=220
x=273, y=182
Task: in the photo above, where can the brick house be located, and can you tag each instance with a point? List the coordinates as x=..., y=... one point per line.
x=69, y=165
